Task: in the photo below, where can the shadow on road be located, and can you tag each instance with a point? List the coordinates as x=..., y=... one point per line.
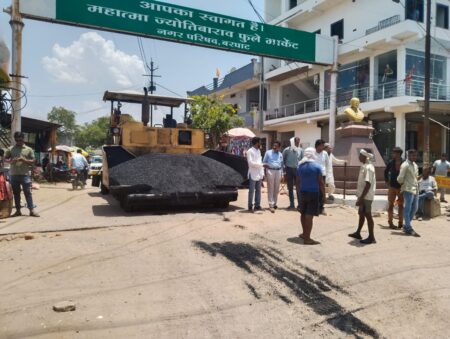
x=307, y=285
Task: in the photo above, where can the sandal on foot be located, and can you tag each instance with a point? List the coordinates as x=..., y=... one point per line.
x=355, y=235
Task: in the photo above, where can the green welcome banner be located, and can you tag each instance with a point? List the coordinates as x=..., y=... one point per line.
x=165, y=21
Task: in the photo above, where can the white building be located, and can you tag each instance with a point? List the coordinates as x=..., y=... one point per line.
x=381, y=57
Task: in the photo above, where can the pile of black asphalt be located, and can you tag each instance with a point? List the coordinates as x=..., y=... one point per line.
x=175, y=173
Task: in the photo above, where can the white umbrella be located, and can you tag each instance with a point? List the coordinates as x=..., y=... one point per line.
x=240, y=132
x=63, y=148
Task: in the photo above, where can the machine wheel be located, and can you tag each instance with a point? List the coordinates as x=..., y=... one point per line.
x=125, y=206
x=223, y=204
x=96, y=181
x=74, y=186
x=103, y=189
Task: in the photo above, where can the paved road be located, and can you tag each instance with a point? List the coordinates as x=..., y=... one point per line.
x=215, y=274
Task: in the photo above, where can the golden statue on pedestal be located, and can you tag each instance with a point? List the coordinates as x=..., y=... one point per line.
x=353, y=112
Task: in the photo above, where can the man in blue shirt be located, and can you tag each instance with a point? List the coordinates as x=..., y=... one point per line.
x=310, y=184
x=80, y=163
x=273, y=163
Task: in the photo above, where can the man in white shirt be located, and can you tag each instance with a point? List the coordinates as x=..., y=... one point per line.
x=365, y=192
x=255, y=174
x=332, y=161
x=427, y=190
x=441, y=168
x=323, y=160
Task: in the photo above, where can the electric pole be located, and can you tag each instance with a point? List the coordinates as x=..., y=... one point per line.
x=426, y=108
x=152, y=87
x=17, y=24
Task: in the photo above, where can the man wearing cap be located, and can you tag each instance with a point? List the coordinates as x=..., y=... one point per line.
x=365, y=193
x=311, y=185
x=291, y=157
x=409, y=173
x=273, y=163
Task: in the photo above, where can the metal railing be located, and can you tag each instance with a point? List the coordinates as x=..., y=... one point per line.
x=381, y=91
x=384, y=24
x=303, y=107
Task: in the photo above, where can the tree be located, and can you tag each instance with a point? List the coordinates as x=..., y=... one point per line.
x=66, y=119
x=93, y=135
x=214, y=117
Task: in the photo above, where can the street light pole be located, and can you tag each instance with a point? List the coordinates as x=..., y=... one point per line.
x=16, y=54
x=426, y=121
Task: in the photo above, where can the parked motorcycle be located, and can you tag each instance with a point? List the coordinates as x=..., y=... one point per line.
x=77, y=178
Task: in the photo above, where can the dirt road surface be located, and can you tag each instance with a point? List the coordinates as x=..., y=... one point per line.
x=216, y=274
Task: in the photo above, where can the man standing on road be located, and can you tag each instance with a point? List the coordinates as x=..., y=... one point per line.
x=22, y=160
x=323, y=160
x=273, y=163
x=408, y=179
x=311, y=185
x=292, y=156
x=441, y=168
x=332, y=161
x=394, y=193
x=427, y=190
x=365, y=192
x=80, y=163
x=255, y=174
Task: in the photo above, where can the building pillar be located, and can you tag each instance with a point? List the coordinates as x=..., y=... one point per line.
x=321, y=90
x=285, y=25
x=400, y=130
x=371, y=78
x=401, y=71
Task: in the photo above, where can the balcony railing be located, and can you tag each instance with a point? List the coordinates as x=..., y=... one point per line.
x=384, y=24
x=382, y=91
x=303, y=107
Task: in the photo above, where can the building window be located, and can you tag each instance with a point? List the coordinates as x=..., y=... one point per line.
x=353, y=81
x=386, y=75
x=414, y=10
x=292, y=4
x=415, y=74
x=317, y=32
x=337, y=28
x=442, y=16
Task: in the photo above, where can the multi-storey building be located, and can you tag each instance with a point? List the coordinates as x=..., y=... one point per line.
x=381, y=61
x=241, y=88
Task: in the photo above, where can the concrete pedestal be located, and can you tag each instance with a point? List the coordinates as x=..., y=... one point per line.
x=350, y=139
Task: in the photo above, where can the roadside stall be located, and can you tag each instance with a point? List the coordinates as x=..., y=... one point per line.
x=239, y=140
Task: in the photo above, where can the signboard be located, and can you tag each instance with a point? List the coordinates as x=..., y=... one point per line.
x=442, y=182
x=161, y=20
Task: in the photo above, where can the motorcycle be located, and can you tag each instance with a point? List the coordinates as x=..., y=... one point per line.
x=77, y=178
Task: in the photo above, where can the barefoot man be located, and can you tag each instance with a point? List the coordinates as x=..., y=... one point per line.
x=365, y=192
x=310, y=184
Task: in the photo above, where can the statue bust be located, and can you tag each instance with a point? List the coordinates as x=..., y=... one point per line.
x=353, y=112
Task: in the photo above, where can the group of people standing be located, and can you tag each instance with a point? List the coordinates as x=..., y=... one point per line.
x=311, y=170
x=278, y=164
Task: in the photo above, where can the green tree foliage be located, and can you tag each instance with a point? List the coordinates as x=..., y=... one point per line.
x=214, y=117
x=93, y=135
x=66, y=119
